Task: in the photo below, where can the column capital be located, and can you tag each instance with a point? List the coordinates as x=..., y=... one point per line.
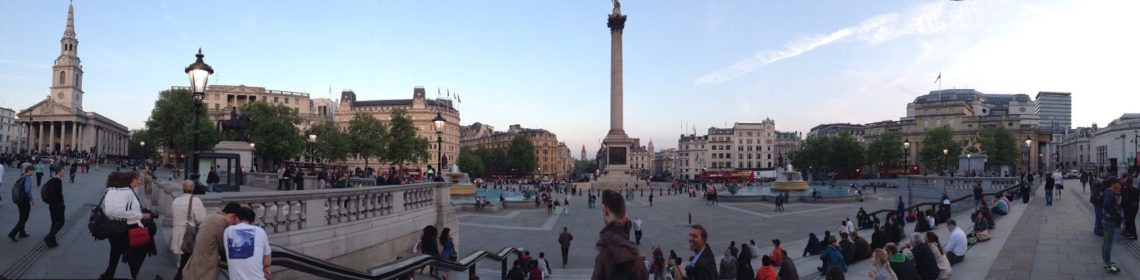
x=616, y=23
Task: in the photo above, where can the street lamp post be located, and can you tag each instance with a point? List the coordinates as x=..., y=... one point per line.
x=1028, y=141
x=142, y=148
x=199, y=73
x=312, y=149
x=945, y=159
x=969, y=162
x=906, y=152
x=439, y=122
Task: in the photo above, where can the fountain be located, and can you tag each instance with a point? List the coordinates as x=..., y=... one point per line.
x=790, y=180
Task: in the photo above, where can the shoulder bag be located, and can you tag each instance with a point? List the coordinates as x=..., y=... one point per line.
x=102, y=226
x=191, y=231
x=137, y=236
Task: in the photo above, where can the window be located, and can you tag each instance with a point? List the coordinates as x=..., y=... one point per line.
x=62, y=77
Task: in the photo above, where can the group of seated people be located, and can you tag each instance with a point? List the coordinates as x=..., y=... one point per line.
x=864, y=220
x=481, y=202
x=838, y=253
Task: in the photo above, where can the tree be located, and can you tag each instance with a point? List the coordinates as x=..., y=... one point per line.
x=884, y=150
x=171, y=118
x=936, y=140
x=184, y=140
x=1000, y=145
x=369, y=137
x=846, y=155
x=404, y=146
x=332, y=144
x=840, y=154
x=470, y=162
x=137, y=149
x=585, y=166
x=274, y=128
x=521, y=157
x=494, y=160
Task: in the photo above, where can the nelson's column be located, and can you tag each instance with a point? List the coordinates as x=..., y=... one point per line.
x=616, y=143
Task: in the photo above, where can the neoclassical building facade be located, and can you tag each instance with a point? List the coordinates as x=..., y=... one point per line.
x=59, y=124
x=420, y=109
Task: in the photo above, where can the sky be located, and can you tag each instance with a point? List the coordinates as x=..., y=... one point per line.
x=688, y=65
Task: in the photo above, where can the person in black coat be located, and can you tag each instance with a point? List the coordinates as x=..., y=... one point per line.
x=924, y=259
x=299, y=179
x=52, y=194
x=813, y=247
x=705, y=264
x=878, y=238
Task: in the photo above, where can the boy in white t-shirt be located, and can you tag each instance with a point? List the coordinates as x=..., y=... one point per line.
x=247, y=248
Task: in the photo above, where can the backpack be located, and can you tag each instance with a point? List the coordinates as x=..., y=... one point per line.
x=18, y=193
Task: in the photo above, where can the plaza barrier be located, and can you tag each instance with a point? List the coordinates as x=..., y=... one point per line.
x=296, y=261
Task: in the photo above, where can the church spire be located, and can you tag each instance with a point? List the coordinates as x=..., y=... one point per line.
x=70, y=31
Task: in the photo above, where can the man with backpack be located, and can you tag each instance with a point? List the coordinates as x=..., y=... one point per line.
x=617, y=258
x=52, y=194
x=22, y=197
x=1112, y=217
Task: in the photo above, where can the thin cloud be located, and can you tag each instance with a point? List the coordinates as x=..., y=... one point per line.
x=926, y=19
x=23, y=64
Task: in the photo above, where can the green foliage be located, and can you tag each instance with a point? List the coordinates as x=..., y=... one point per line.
x=935, y=141
x=274, y=128
x=494, y=160
x=585, y=166
x=470, y=162
x=841, y=154
x=138, y=150
x=404, y=145
x=520, y=156
x=170, y=119
x=886, y=149
x=369, y=137
x=184, y=140
x=332, y=144
x=1000, y=145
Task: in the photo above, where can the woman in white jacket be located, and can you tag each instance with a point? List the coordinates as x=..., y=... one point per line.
x=121, y=203
x=186, y=205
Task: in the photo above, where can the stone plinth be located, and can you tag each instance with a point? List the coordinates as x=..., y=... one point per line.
x=242, y=149
x=973, y=162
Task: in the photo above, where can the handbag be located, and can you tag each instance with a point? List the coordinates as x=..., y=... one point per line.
x=138, y=236
x=101, y=226
x=191, y=231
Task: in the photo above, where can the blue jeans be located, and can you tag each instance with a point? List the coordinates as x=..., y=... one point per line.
x=1048, y=197
x=214, y=187
x=1109, y=229
x=1099, y=214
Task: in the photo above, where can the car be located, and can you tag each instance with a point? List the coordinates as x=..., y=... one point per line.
x=1073, y=174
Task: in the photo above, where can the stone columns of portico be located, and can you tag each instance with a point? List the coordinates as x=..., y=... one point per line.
x=75, y=135
x=40, y=136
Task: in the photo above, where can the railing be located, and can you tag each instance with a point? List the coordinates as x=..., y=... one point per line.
x=953, y=201
x=279, y=212
x=283, y=257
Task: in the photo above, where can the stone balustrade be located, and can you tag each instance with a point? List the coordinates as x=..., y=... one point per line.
x=357, y=227
x=931, y=187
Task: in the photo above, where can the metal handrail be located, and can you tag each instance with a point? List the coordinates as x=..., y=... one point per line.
x=294, y=260
x=932, y=204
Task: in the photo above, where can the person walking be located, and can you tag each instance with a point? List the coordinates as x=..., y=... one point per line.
x=39, y=173
x=1129, y=203
x=1049, y=184
x=23, y=202
x=564, y=241
x=299, y=179
x=282, y=178
x=121, y=203
x=73, y=169
x=52, y=194
x=247, y=248
x=637, y=229
x=188, y=213
x=212, y=179
x=1096, y=198
x=1112, y=216
x=618, y=258
x=1084, y=181
x=209, y=244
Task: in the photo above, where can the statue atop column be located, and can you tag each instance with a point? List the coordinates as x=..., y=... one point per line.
x=617, y=7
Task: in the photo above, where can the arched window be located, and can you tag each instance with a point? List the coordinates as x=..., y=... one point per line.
x=62, y=76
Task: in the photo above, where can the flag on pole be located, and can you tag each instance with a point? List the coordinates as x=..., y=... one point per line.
x=939, y=79
x=457, y=98
x=438, y=93
x=449, y=93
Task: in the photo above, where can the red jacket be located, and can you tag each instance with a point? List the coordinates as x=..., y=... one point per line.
x=766, y=273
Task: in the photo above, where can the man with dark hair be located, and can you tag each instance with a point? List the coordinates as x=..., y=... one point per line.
x=52, y=194
x=247, y=248
x=702, y=266
x=208, y=244
x=618, y=258
x=564, y=241
x=23, y=203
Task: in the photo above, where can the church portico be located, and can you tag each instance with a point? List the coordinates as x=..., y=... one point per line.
x=58, y=124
